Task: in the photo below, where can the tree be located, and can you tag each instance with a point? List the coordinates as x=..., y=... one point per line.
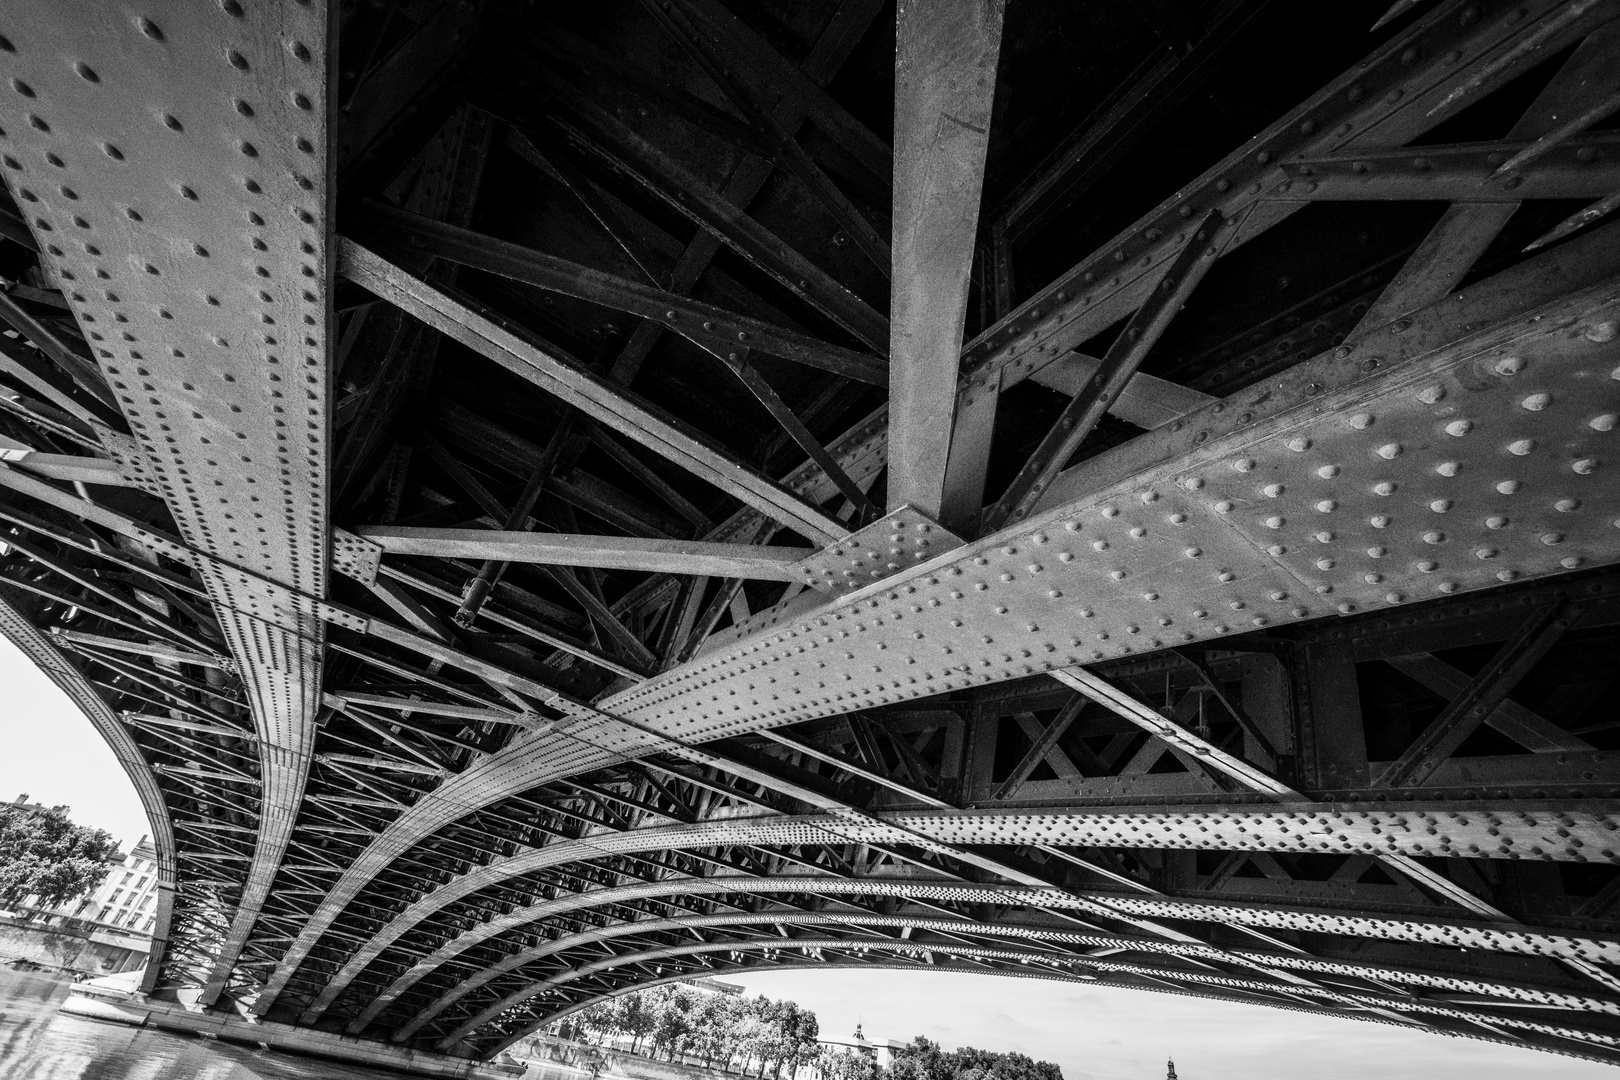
x=845, y=1063
x=43, y=853
x=923, y=1059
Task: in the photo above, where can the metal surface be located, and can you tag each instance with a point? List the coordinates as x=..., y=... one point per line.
x=176, y=165
x=1285, y=685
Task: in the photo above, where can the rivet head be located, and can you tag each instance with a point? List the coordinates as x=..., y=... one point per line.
x=1440, y=506
x=1326, y=506
x=1459, y=428
x=1536, y=402
x=1508, y=365
x=1508, y=487
x=1496, y=521
x=1243, y=464
x=1571, y=562
x=1605, y=422
x=1361, y=420
x=1273, y=490
x=1521, y=447
x=1431, y=394
x=1299, y=446
x=1585, y=466
x=1566, y=506
x=1389, y=451
x=1328, y=472
x=1434, y=538
x=1552, y=538
x=1602, y=331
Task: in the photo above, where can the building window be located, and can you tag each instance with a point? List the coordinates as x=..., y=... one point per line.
x=104, y=912
x=147, y=899
x=127, y=875
x=141, y=884
x=150, y=919
x=113, y=899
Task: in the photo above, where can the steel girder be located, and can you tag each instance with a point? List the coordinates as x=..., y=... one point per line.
x=1450, y=450
x=851, y=959
x=1034, y=599
x=1536, y=829
x=176, y=179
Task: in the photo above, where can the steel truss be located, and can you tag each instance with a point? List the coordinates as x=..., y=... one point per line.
x=505, y=601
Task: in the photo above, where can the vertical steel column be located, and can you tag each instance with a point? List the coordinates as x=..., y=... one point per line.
x=945, y=80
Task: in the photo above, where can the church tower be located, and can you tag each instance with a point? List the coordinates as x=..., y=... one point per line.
x=1171, y=1075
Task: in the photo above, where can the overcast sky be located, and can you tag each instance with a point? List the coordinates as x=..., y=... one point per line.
x=49, y=750
x=1098, y=1033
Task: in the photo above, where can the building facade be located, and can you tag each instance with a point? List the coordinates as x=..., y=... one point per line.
x=116, y=917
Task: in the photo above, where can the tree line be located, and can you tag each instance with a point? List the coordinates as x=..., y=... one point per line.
x=760, y=1037
x=725, y=1030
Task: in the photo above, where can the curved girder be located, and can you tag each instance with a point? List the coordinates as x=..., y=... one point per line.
x=1539, y=995
x=747, y=685
x=1378, y=1007
x=1411, y=929
x=1304, y=828
x=937, y=889
x=72, y=682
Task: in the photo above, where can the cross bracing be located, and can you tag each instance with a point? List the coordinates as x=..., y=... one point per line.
x=544, y=503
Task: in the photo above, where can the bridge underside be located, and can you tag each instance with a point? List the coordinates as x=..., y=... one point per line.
x=546, y=502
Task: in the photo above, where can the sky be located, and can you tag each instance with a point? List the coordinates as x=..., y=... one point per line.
x=1107, y=1033
x=49, y=750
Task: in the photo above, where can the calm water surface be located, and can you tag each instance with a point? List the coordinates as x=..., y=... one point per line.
x=38, y=1043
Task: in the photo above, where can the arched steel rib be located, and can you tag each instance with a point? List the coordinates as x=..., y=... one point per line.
x=507, y=1039
x=1348, y=829
x=1201, y=979
x=223, y=304
x=940, y=888
x=1412, y=929
x=752, y=685
x=1292, y=961
x=38, y=648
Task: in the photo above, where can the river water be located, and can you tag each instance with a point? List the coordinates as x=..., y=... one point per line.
x=38, y=1043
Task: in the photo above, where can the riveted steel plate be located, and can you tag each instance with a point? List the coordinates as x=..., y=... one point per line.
x=958, y=928
x=171, y=162
x=1533, y=831
x=894, y=542
x=1494, y=937
x=1486, y=468
x=355, y=556
x=1139, y=563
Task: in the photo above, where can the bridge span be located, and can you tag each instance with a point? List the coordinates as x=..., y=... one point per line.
x=545, y=501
